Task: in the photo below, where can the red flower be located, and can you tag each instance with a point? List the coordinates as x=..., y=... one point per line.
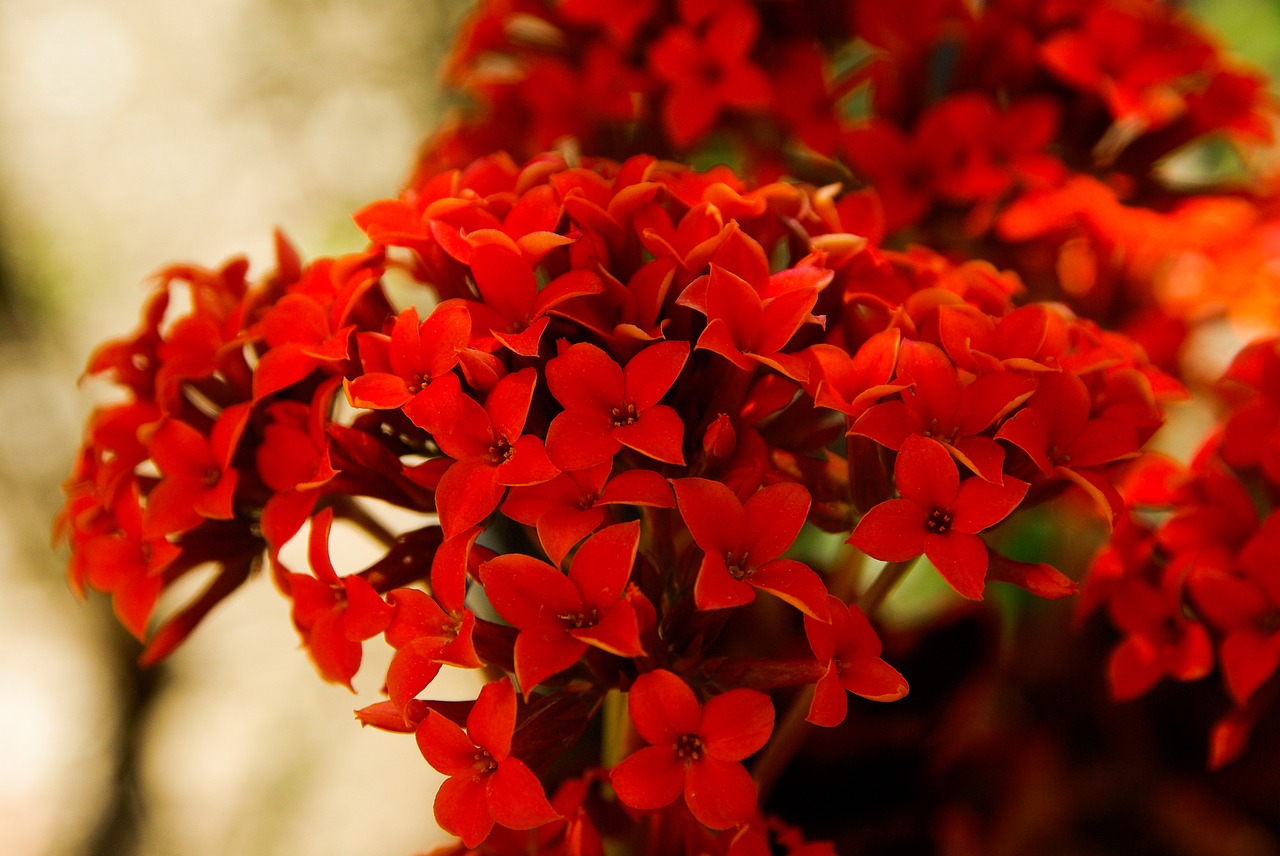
x=851, y=650
x=937, y=515
x=750, y=322
x=488, y=445
x=940, y=405
x=573, y=504
x=1059, y=434
x=430, y=630
x=1245, y=608
x=334, y=614
x=608, y=407
x=198, y=479
x=512, y=307
x=486, y=785
x=741, y=543
x=300, y=337
x=707, y=68
x=559, y=616
x=398, y=368
x=1159, y=638
x=697, y=749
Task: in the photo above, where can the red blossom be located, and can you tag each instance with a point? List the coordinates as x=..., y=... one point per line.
x=334, y=614
x=741, y=543
x=608, y=407
x=486, y=784
x=400, y=367
x=850, y=649
x=696, y=750
x=939, y=404
x=489, y=448
x=938, y=515
x=707, y=68
x=560, y=616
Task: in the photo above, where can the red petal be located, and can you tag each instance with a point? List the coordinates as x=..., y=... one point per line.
x=961, y=559
x=649, y=779
x=892, y=531
x=527, y=592
x=874, y=679
x=736, y=724
x=462, y=810
x=774, y=517
x=516, y=798
x=367, y=614
x=720, y=793
x=583, y=376
x=444, y=745
x=493, y=718
x=980, y=504
x=830, y=702
x=663, y=707
x=716, y=519
x=925, y=473
x=527, y=465
x=508, y=404
x=638, y=487
x=796, y=583
x=658, y=433
x=618, y=631
x=409, y=673
x=377, y=391
x=716, y=588
x=468, y=492
x=603, y=564
x=542, y=651
x=505, y=281
x=652, y=372
x=1249, y=658
x=580, y=438
x=560, y=528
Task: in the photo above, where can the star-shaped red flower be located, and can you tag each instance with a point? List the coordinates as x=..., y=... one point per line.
x=938, y=515
x=741, y=543
x=560, y=616
x=486, y=784
x=608, y=406
x=697, y=750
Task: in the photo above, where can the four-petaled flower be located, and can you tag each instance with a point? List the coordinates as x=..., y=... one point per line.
x=486, y=783
x=938, y=515
x=851, y=650
x=697, y=750
x=560, y=616
x=608, y=406
x=741, y=543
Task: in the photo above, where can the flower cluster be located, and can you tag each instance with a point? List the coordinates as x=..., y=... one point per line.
x=624, y=399
x=1191, y=578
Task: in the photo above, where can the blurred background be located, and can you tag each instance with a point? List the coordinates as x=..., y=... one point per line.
x=134, y=133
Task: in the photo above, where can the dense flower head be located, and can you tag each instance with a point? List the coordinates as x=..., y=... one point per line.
x=625, y=401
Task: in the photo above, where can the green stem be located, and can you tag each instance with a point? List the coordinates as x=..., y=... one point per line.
x=790, y=734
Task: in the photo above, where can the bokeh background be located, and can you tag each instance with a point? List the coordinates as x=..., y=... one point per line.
x=134, y=133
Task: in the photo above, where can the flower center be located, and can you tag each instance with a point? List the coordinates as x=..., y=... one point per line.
x=625, y=415
x=501, y=452
x=689, y=748
x=737, y=565
x=939, y=521
x=579, y=620
x=484, y=761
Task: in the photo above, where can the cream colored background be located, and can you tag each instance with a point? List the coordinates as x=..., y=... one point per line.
x=134, y=133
